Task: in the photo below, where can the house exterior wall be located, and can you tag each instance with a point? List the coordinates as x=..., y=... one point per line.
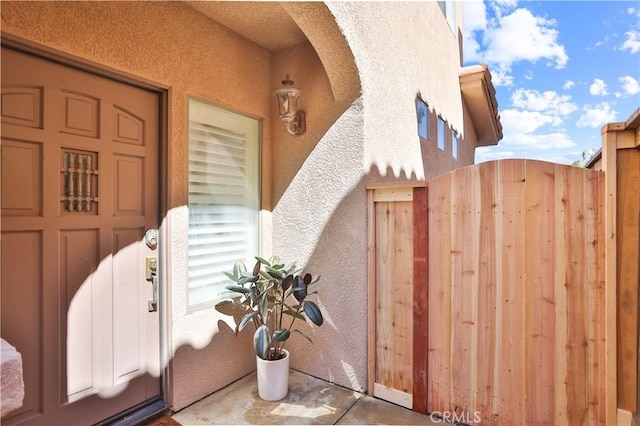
x=193, y=57
x=314, y=185
x=411, y=52
x=401, y=50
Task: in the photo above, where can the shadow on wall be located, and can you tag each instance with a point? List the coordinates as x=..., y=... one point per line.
x=204, y=369
x=339, y=350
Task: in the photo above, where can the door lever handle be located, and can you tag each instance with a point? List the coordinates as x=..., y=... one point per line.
x=152, y=277
x=153, y=303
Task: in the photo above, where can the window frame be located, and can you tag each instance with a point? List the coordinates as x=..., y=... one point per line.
x=441, y=134
x=421, y=103
x=224, y=124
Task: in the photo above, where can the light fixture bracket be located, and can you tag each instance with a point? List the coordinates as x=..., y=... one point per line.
x=288, y=99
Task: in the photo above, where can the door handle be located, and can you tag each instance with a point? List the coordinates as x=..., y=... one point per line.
x=152, y=277
x=151, y=238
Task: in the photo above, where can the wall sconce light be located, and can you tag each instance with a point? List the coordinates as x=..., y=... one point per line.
x=288, y=98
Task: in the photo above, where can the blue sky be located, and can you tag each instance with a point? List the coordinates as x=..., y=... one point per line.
x=561, y=69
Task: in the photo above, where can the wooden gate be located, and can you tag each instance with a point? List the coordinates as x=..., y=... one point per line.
x=507, y=293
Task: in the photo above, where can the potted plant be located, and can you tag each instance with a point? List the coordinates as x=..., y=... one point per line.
x=272, y=297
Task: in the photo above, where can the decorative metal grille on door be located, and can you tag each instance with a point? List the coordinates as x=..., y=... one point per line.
x=79, y=182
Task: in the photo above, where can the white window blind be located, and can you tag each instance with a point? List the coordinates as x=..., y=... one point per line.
x=224, y=198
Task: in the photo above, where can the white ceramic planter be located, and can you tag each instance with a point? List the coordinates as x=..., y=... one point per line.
x=273, y=378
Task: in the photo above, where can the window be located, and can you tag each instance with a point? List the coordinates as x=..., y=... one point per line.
x=448, y=9
x=224, y=198
x=422, y=112
x=454, y=145
x=442, y=133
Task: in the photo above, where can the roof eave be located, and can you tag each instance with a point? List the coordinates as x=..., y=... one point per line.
x=479, y=96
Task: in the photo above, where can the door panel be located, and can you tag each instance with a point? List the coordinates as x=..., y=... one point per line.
x=79, y=189
x=393, y=297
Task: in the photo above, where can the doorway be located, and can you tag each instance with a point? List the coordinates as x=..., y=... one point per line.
x=79, y=191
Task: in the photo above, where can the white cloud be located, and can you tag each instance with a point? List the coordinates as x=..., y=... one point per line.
x=485, y=153
x=596, y=115
x=501, y=76
x=474, y=19
x=630, y=85
x=568, y=85
x=598, y=88
x=510, y=38
x=548, y=101
x=632, y=43
x=539, y=141
x=474, y=16
x=516, y=122
x=522, y=36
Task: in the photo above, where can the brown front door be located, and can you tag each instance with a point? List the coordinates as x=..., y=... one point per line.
x=79, y=190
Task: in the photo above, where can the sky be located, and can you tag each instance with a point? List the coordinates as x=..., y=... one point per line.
x=561, y=70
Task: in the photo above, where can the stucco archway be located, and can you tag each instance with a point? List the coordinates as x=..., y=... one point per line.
x=319, y=26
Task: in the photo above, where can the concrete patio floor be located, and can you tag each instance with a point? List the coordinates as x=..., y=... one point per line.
x=310, y=401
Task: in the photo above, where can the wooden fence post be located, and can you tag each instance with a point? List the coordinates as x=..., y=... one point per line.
x=420, y=299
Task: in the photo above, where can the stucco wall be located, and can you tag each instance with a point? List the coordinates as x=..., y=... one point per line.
x=320, y=218
x=402, y=49
x=176, y=47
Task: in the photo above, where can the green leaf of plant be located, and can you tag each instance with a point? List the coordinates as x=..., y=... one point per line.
x=245, y=320
x=313, y=312
x=232, y=277
x=238, y=289
x=239, y=268
x=303, y=335
x=274, y=259
x=274, y=273
x=265, y=276
x=263, y=261
x=299, y=289
x=262, y=341
x=281, y=335
x=307, y=279
x=264, y=306
x=256, y=268
x=248, y=279
x=286, y=283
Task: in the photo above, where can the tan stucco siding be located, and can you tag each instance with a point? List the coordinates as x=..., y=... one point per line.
x=402, y=49
x=176, y=47
x=164, y=42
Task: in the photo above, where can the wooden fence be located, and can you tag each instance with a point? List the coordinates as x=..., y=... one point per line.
x=502, y=267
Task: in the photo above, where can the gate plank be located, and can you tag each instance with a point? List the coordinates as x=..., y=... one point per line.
x=401, y=292
x=540, y=254
x=487, y=342
x=560, y=194
x=385, y=218
x=575, y=278
x=510, y=258
x=464, y=255
x=439, y=294
x=421, y=301
x=592, y=241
